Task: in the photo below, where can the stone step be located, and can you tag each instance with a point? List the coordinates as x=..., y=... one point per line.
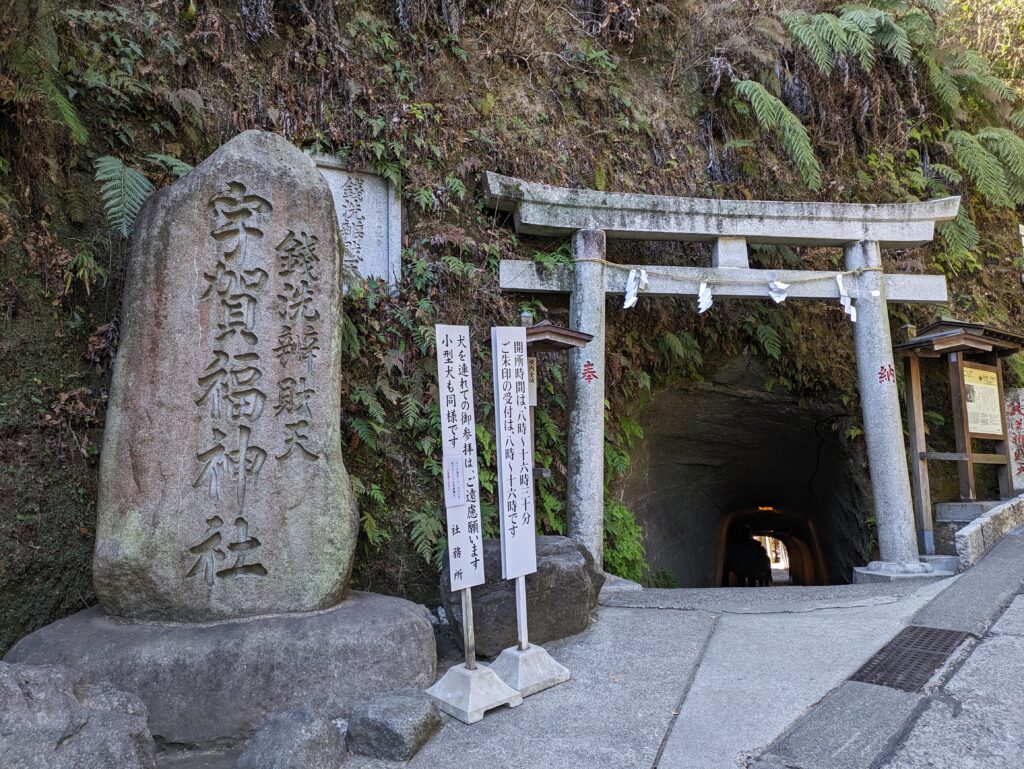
x=963, y=512
x=861, y=576
x=950, y=563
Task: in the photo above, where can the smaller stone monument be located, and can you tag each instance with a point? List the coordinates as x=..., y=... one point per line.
x=369, y=218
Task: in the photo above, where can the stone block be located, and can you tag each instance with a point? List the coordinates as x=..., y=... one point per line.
x=294, y=739
x=963, y=512
x=213, y=684
x=1012, y=621
x=862, y=575
x=942, y=563
x=559, y=597
x=945, y=538
x=51, y=720
x=222, y=491
x=393, y=727
x=981, y=534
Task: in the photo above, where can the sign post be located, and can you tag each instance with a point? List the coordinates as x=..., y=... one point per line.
x=466, y=690
x=529, y=669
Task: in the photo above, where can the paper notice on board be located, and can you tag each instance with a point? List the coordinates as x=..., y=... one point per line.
x=984, y=411
x=454, y=481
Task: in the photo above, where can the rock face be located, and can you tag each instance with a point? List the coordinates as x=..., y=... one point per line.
x=49, y=721
x=222, y=488
x=212, y=684
x=294, y=739
x=393, y=727
x=559, y=597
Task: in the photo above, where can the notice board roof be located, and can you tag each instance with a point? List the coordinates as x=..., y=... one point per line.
x=948, y=335
x=547, y=337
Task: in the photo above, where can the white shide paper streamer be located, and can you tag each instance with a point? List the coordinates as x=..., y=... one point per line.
x=777, y=291
x=844, y=299
x=704, y=299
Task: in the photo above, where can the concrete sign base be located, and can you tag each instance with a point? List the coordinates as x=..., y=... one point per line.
x=529, y=670
x=467, y=694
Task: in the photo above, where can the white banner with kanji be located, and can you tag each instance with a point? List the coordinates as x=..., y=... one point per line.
x=514, y=446
x=458, y=459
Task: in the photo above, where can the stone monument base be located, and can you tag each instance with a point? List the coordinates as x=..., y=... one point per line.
x=212, y=684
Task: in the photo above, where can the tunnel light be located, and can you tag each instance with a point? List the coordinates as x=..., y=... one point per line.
x=763, y=509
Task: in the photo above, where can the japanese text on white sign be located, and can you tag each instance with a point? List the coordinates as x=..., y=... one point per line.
x=458, y=436
x=515, y=451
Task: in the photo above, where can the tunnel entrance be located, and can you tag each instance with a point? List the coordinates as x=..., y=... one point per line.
x=727, y=453
x=790, y=537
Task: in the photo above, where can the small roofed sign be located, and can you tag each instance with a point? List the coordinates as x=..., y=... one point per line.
x=515, y=451
x=984, y=407
x=458, y=437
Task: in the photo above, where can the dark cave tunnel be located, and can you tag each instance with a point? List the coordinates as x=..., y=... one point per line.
x=725, y=453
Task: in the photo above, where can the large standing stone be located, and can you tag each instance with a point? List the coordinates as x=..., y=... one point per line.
x=214, y=683
x=222, y=488
x=559, y=596
x=49, y=721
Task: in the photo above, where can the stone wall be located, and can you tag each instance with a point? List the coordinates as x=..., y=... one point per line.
x=980, y=535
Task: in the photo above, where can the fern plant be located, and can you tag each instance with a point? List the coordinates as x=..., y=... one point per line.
x=125, y=188
x=29, y=56
x=774, y=116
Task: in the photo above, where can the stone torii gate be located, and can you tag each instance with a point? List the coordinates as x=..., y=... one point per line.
x=591, y=216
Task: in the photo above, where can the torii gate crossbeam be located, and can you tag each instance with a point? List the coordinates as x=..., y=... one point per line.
x=862, y=230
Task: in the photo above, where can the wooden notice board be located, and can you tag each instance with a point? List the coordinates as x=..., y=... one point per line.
x=983, y=401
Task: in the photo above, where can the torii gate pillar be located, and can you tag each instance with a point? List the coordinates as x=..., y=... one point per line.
x=585, y=503
x=883, y=428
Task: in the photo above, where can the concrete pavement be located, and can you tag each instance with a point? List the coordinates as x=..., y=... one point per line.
x=967, y=716
x=757, y=677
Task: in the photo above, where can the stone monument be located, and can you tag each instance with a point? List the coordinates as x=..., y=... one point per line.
x=369, y=219
x=226, y=524
x=222, y=490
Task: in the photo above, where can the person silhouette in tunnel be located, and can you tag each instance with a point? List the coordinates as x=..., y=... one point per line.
x=748, y=560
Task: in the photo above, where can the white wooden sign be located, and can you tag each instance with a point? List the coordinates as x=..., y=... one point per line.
x=514, y=446
x=458, y=434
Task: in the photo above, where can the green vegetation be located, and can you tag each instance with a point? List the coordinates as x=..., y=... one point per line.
x=100, y=103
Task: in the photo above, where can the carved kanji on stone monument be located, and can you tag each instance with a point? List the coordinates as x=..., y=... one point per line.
x=222, y=488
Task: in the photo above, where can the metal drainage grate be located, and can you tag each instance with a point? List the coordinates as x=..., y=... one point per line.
x=910, y=659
